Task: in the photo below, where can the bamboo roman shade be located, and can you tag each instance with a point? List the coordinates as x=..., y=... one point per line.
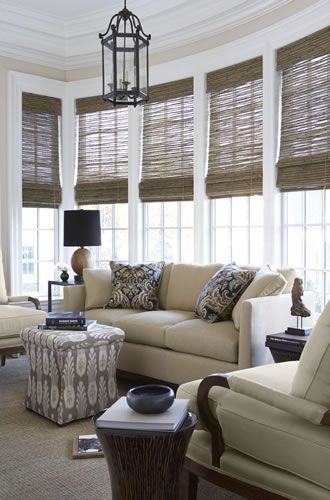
x=102, y=175
x=305, y=124
x=235, y=135
x=168, y=143
x=40, y=151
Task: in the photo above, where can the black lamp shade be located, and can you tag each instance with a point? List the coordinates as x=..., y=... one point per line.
x=82, y=228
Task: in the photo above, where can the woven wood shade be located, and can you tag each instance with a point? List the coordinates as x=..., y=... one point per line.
x=168, y=143
x=102, y=152
x=235, y=136
x=305, y=129
x=40, y=151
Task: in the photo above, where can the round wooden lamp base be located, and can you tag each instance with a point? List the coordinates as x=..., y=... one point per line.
x=81, y=259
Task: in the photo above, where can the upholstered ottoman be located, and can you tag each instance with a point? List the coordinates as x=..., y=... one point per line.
x=72, y=375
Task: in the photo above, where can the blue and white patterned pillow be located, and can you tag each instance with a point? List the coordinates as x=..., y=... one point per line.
x=220, y=294
x=135, y=287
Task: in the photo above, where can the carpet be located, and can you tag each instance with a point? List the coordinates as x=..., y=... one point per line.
x=35, y=454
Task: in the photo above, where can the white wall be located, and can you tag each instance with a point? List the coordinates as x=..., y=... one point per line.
x=262, y=43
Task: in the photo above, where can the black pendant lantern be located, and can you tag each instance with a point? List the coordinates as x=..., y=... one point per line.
x=125, y=60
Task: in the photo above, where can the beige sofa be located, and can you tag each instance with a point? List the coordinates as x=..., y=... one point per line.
x=171, y=344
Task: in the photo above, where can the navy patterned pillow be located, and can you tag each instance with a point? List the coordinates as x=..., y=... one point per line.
x=135, y=287
x=220, y=294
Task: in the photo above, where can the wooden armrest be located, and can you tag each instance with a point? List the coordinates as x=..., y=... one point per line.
x=326, y=418
x=212, y=423
x=35, y=301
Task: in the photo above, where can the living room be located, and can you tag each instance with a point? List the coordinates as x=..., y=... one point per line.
x=226, y=163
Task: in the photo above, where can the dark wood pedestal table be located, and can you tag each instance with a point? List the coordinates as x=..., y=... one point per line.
x=145, y=465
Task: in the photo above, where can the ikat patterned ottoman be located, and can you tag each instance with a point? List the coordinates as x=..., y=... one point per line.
x=72, y=375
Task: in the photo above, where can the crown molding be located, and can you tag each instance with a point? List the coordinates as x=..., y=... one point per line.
x=73, y=43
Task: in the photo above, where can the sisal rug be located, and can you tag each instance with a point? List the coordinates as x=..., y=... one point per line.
x=35, y=454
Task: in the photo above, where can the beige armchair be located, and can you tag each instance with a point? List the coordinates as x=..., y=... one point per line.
x=14, y=317
x=265, y=432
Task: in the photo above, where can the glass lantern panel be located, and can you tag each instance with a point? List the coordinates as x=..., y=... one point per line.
x=143, y=67
x=108, y=68
x=126, y=78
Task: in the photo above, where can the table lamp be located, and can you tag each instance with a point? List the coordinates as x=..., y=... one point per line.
x=81, y=228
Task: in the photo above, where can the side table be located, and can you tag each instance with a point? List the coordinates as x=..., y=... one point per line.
x=145, y=464
x=286, y=347
x=58, y=283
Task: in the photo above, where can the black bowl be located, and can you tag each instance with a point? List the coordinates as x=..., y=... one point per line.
x=152, y=398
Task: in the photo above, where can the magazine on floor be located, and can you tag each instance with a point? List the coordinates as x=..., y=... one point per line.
x=87, y=446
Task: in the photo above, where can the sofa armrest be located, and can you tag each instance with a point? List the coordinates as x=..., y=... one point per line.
x=24, y=298
x=74, y=298
x=263, y=316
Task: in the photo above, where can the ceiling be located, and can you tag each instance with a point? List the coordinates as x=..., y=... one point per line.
x=64, y=34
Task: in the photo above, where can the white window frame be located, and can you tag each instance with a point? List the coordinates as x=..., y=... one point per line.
x=37, y=260
x=302, y=271
x=162, y=228
x=230, y=226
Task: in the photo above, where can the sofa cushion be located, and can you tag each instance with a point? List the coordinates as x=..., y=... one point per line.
x=135, y=286
x=14, y=318
x=213, y=340
x=3, y=291
x=108, y=316
x=148, y=327
x=266, y=282
x=185, y=284
x=98, y=287
x=312, y=380
x=220, y=294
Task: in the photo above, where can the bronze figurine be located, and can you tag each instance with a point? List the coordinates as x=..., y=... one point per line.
x=298, y=308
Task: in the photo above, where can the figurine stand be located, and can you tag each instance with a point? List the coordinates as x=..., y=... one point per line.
x=299, y=330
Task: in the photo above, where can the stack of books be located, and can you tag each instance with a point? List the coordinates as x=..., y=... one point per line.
x=121, y=416
x=75, y=321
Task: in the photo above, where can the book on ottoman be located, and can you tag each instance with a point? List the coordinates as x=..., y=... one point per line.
x=121, y=416
x=66, y=318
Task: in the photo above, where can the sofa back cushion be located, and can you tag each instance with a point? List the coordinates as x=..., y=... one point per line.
x=163, y=287
x=3, y=292
x=98, y=287
x=312, y=380
x=185, y=284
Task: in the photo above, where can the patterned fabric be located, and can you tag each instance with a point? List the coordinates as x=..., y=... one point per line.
x=71, y=375
x=135, y=287
x=220, y=294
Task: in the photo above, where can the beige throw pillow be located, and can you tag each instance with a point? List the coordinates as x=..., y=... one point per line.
x=3, y=292
x=312, y=381
x=265, y=283
x=98, y=287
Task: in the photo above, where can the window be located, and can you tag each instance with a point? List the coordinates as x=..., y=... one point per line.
x=237, y=230
x=307, y=240
x=114, y=234
x=39, y=248
x=168, y=231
